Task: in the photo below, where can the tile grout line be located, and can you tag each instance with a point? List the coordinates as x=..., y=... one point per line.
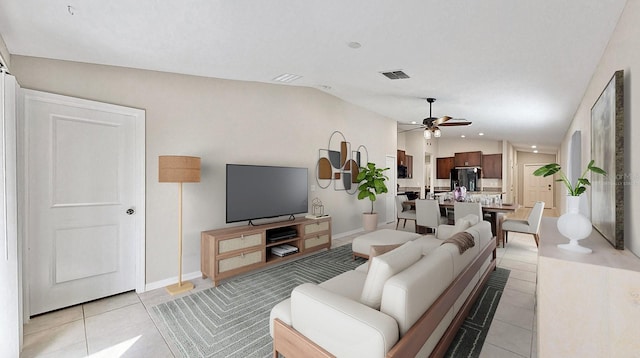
x=84, y=326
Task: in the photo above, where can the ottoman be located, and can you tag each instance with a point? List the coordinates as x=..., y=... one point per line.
x=361, y=245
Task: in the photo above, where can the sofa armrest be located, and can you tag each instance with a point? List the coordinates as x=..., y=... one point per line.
x=341, y=326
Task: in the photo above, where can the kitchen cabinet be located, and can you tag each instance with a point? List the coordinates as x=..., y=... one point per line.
x=468, y=159
x=402, y=157
x=443, y=167
x=492, y=166
x=409, y=159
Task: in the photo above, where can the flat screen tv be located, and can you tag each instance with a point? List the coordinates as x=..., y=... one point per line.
x=259, y=192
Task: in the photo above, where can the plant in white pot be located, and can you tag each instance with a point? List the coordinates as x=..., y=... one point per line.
x=371, y=183
x=572, y=224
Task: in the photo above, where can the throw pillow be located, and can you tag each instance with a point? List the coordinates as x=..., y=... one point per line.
x=384, y=267
x=446, y=231
x=377, y=250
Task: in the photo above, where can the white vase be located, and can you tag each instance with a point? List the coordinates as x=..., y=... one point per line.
x=574, y=226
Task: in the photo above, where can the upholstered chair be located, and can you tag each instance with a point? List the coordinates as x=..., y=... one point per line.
x=428, y=214
x=404, y=211
x=529, y=226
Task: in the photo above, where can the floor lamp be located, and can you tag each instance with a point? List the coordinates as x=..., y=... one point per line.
x=179, y=169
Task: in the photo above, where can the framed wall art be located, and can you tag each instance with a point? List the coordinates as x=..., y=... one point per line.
x=607, y=150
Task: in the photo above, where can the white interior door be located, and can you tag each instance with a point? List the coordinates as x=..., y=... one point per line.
x=83, y=201
x=537, y=188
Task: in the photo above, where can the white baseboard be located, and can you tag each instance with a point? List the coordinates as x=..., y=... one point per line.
x=345, y=234
x=170, y=281
x=193, y=275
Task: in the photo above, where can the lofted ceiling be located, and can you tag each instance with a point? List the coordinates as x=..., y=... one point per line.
x=516, y=69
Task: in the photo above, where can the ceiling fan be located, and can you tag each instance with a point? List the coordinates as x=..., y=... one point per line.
x=432, y=124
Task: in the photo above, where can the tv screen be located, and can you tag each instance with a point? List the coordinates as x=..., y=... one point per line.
x=257, y=192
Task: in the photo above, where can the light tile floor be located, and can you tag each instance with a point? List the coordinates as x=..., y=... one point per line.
x=121, y=326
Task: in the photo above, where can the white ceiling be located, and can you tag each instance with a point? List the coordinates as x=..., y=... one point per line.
x=516, y=69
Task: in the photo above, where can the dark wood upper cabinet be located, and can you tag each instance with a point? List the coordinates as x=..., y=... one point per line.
x=443, y=167
x=492, y=166
x=468, y=159
x=402, y=157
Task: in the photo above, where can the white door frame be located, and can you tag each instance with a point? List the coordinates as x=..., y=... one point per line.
x=139, y=172
x=391, y=161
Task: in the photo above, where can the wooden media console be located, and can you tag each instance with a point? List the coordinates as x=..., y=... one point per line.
x=231, y=251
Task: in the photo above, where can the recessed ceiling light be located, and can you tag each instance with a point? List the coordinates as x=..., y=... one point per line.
x=286, y=78
x=534, y=147
x=463, y=136
x=414, y=122
x=535, y=151
x=480, y=133
x=354, y=44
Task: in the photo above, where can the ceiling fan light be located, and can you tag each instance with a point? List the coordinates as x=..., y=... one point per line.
x=437, y=133
x=427, y=134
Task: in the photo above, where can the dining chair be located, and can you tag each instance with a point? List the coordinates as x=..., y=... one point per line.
x=529, y=226
x=404, y=212
x=462, y=209
x=428, y=214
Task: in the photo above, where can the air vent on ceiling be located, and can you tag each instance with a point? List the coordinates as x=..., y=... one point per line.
x=395, y=75
x=286, y=78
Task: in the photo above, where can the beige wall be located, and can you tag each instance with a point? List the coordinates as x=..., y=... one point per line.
x=223, y=122
x=622, y=53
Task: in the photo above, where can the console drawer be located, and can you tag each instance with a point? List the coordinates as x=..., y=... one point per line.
x=241, y=260
x=240, y=242
x=316, y=241
x=316, y=227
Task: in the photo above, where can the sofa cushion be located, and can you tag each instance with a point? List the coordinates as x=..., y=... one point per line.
x=348, y=284
x=407, y=295
x=385, y=266
x=377, y=250
x=428, y=243
x=446, y=231
x=471, y=218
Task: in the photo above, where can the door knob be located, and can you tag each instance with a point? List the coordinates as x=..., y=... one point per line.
x=130, y=211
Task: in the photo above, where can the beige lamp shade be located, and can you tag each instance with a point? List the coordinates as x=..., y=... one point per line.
x=178, y=169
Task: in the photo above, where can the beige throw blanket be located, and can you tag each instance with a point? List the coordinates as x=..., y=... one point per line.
x=463, y=240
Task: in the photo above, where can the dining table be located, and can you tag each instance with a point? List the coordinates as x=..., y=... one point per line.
x=492, y=209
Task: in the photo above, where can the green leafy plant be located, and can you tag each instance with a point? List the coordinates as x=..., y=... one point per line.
x=371, y=182
x=574, y=189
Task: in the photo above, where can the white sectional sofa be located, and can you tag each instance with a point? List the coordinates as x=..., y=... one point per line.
x=408, y=302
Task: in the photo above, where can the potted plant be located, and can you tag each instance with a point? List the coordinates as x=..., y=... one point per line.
x=574, y=189
x=371, y=183
x=572, y=224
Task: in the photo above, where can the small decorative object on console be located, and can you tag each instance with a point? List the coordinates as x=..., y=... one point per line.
x=284, y=250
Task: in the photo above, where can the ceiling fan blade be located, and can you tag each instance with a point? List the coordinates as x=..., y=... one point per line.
x=441, y=120
x=454, y=124
x=412, y=129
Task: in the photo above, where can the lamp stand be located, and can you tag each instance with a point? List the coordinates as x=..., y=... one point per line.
x=180, y=287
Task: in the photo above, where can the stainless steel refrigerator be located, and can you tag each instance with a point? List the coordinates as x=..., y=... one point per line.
x=466, y=177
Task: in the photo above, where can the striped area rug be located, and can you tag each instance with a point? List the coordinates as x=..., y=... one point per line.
x=471, y=335
x=232, y=319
